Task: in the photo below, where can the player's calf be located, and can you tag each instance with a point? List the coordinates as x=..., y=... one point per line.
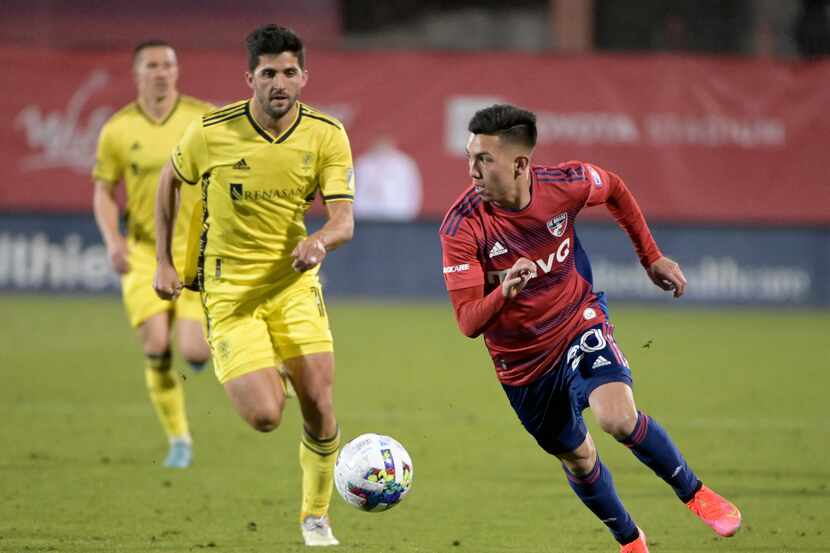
x=651, y=444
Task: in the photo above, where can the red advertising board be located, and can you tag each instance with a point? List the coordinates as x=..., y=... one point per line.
x=696, y=139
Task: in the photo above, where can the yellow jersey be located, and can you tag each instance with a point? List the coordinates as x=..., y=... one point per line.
x=133, y=147
x=256, y=187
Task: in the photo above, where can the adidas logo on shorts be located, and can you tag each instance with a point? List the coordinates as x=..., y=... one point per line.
x=600, y=362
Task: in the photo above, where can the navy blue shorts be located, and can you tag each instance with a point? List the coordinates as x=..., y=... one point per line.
x=551, y=407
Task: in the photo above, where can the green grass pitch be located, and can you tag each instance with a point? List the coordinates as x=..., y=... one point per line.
x=742, y=392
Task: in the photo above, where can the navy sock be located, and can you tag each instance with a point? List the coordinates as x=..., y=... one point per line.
x=596, y=490
x=197, y=366
x=652, y=446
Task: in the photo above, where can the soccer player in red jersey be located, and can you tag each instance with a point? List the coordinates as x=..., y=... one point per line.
x=517, y=274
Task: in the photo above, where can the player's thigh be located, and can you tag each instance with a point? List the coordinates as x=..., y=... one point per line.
x=601, y=379
x=239, y=339
x=614, y=408
x=154, y=333
x=592, y=360
x=298, y=322
x=546, y=411
x=258, y=397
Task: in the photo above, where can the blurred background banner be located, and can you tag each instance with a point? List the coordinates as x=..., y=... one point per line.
x=387, y=260
x=697, y=140
x=714, y=113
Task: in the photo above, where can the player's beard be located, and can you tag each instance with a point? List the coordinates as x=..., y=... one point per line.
x=276, y=114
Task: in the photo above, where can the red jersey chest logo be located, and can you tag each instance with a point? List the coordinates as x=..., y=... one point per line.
x=558, y=224
x=545, y=263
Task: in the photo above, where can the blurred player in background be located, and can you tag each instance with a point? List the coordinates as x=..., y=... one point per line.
x=516, y=273
x=260, y=163
x=133, y=147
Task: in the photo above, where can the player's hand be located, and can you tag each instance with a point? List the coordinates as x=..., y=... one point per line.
x=308, y=254
x=666, y=274
x=517, y=277
x=117, y=253
x=166, y=282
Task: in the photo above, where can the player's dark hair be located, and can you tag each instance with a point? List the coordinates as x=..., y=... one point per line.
x=273, y=39
x=151, y=43
x=508, y=122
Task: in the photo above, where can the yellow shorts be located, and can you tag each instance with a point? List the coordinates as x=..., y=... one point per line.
x=141, y=300
x=256, y=327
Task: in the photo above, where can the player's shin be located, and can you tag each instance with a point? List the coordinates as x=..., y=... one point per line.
x=597, y=492
x=167, y=395
x=317, y=457
x=652, y=445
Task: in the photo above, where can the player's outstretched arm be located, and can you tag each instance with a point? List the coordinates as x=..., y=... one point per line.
x=166, y=281
x=105, y=208
x=666, y=274
x=338, y=230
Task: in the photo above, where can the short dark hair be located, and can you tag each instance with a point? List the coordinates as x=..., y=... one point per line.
x=508, y=122
x=273, y=39
x=150, y=43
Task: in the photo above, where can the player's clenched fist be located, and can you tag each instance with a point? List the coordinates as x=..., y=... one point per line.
x=517, y=277
x=166, y=282
x=308, y=253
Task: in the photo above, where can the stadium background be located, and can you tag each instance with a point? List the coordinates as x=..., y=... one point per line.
x=726, y=153
x=715, y=114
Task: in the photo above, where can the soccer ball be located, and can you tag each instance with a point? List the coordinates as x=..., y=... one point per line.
x=373, y=472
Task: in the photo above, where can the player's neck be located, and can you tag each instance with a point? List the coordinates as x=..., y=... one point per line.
x=275, y=126
x=520, y=198
x=158, y=107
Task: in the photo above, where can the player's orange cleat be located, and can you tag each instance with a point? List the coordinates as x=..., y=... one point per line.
x=721, y=515
x=637, y=546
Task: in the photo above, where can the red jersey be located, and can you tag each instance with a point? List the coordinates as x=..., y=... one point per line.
x=528, y=334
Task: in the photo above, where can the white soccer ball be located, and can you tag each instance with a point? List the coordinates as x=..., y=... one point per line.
x=373, y=472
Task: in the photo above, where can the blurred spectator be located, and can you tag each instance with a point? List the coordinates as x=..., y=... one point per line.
x=812, y=30
x=388, y=184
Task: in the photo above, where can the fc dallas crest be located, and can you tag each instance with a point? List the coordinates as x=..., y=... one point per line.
x=558, y=224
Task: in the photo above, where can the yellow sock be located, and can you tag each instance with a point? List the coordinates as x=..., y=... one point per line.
x=167, y=395
x=317, y=457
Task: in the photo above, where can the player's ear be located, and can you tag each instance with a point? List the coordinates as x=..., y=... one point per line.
x=249, y=78
x=520, y=165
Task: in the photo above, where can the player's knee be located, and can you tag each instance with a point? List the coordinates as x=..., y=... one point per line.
x=620, y=425
x=196, y=360
x=580, y=465
x=195, y=354
x=266, y=419
x=265, y=422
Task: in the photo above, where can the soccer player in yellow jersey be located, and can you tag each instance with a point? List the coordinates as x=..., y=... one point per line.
x=133, y=147
x=260, y=163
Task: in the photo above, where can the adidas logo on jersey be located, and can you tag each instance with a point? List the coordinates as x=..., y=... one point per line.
x=497, y=249
x=600, y=362
x=241, y=164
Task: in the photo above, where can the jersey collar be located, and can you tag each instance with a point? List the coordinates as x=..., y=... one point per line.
x=267, y=135
x=155, y=121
